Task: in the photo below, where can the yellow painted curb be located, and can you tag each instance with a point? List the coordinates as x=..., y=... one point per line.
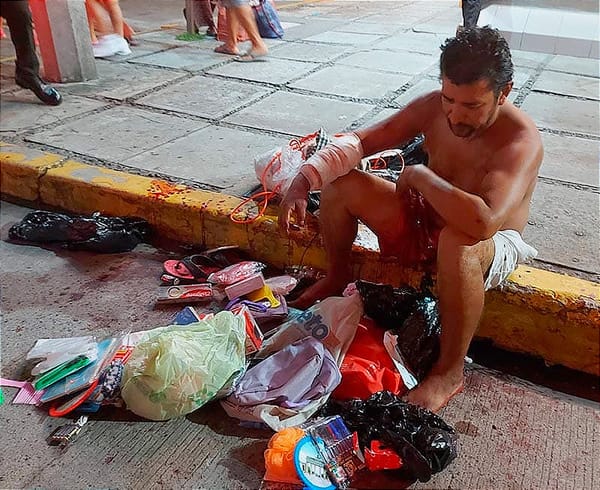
x=545, y=314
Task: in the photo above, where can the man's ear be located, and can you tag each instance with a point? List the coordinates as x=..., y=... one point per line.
x=504, y=93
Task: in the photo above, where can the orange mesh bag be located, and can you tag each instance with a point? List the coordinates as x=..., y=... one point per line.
x=279, y=456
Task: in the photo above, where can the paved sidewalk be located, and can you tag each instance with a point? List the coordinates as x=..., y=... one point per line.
x=182, y=112
x=512, y=434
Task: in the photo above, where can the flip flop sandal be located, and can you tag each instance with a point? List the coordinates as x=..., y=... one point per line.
x=194, y=267
x=225, y=256
x=222, y=49
x=251, y=57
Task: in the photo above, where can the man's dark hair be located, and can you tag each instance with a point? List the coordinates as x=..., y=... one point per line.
x=477, y=53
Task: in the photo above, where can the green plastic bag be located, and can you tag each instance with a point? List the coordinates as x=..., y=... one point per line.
x=174, y=370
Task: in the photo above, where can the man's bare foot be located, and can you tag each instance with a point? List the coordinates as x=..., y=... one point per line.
x=321, y=289
x=436, y=390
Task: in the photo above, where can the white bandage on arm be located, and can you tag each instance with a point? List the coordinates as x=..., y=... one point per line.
x=339, y=157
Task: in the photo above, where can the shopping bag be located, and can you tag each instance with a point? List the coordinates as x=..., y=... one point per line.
x=267, y=20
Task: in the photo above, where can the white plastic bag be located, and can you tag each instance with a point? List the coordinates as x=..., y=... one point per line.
x=277, y=168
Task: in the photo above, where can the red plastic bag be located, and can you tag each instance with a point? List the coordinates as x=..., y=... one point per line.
x=367, y=367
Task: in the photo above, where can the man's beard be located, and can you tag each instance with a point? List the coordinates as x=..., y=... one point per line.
x=467, y=131
x=462, y=130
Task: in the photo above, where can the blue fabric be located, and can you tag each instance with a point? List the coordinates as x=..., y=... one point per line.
x=267, y=20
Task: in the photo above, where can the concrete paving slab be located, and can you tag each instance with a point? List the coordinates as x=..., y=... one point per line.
x=422, y=87
x=14, y=118
x=299, y=114
x=571, y=64
x=520, y=77
x=564, y=225
x=184, y=58
x=350, y=81
x=570, y=159
x=441, y=25
x=568, y=84
x=361, y=27
x=312, y=27
x=166, y=36
x=390, y=61
x=116, y=134
x=204, y=96
x=305, y=51
x=217, y=156
x=563, y=114
x=274, y=70
x=528, y=58
x=379, y=116
x=120, y=81
x=351, y=38
x=420, y=42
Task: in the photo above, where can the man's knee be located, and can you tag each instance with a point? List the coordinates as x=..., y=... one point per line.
x=455, y=245
x=341, y=190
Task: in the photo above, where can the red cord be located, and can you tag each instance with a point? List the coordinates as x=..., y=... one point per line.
x=295, y=144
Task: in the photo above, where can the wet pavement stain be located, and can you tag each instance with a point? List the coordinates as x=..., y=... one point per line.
x=466, y=428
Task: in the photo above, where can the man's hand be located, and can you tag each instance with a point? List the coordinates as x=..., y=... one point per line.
x=294, y=201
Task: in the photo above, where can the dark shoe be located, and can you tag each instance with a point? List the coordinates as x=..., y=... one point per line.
x=210, y=32
x=46, y=93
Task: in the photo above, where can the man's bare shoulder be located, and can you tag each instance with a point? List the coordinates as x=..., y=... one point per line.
x=516, y=140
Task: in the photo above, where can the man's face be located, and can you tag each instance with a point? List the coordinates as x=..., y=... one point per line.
x=469, y=108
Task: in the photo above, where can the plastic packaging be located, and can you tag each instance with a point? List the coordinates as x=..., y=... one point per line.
x=424, y=442
x=97, y=233
x=279, y=456
x=281, y=284
x=236, y=272
x=173, y=371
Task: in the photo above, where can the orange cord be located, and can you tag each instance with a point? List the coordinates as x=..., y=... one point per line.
x=265, y=193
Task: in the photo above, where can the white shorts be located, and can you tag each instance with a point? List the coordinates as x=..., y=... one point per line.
x=509, y=250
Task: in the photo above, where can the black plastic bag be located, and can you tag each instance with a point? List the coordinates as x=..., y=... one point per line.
x=388, y=306
x=411, y=315
x=419, y=337
x=421, y=438
x=97, y=233
x=389, y=165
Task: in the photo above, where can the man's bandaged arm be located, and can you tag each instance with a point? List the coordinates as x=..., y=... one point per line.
x=339, y=157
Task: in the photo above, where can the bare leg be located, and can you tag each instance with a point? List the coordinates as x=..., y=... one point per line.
x=230, y=44
x=246, y=19
x=461, y=267
x=343, y=203
x=116, y=15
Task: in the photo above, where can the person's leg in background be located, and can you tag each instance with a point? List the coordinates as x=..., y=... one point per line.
x=206, y=9
x=245, y=17
x=105, y=40
x=27, y=71
x=470, y=12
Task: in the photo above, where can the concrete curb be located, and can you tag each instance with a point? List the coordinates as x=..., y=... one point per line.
x=541, y=313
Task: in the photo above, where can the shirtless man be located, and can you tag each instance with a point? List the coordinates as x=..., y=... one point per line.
x=484, y=157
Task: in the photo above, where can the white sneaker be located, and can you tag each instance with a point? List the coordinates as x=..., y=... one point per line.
x=110, y=45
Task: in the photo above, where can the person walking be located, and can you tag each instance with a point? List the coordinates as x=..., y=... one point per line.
x=239, y=13
x=27, y=65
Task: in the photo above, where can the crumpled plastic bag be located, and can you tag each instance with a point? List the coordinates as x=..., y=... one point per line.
x=421, y=438
x=96, y=233
x=333, y=322
x=411, y=315
x=175, y=370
